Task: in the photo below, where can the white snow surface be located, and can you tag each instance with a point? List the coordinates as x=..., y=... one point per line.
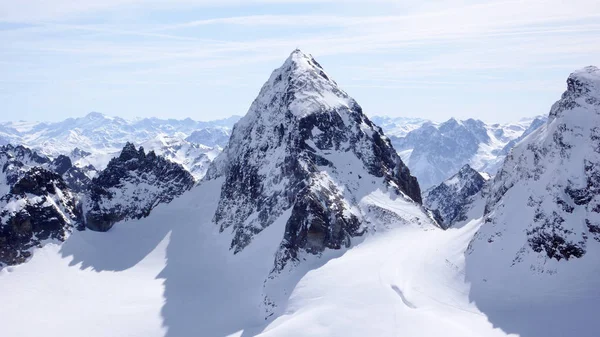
x=172, y=274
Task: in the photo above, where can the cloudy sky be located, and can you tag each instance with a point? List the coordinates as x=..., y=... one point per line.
x=207, y=59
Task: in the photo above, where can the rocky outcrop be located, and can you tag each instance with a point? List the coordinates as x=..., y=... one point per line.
x=453, y=198
x=131, y=186
x=75, y=177
x=39, y=207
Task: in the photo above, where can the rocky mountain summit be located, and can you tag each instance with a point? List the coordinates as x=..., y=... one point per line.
x=78, y=179
x=131, y=186
x=544, y=204
x=306, y=151
x=18, y=159
x=454, y=198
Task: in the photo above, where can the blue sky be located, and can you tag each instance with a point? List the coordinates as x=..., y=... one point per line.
x=493, y=60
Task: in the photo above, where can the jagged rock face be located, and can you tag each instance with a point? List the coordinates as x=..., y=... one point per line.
x=453, y=198
x=304, y=146
x=25, y=155
x=131, y=186
x=39, y=207
x=74, y=177
x=553, y=179
x=16, y=160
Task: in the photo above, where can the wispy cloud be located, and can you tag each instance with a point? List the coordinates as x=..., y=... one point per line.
x=492, y=45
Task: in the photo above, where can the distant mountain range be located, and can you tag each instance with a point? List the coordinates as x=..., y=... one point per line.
x=433, y=151
x=436, y=151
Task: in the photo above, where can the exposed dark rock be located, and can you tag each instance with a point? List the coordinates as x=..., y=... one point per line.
x=131, y=186
x=452, y=199
x=74, y=177
x=557, y=171
x=41, y=208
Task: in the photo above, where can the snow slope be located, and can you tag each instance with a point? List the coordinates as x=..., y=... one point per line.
x=172, y=274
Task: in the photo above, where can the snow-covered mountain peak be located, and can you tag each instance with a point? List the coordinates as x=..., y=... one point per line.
x=585, y=80
x=583, y=90
x=297, y=151
x=131, y=186
x=454, y=198
x=302, y=86
x=467, y=171
x=544, y=204
x=94, y=115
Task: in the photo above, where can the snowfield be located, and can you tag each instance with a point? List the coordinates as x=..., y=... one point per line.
x=172, y=274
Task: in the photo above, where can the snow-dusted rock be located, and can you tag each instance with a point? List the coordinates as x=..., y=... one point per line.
x=454, y=198
x=306, y=147
x=131, y=186
x=75, y=177
x=19, y=159
x=544, y=204
x=39, y=207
